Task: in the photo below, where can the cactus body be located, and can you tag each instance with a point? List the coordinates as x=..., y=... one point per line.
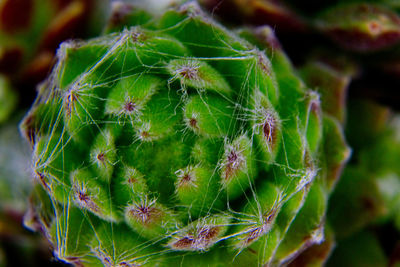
x=175, y=141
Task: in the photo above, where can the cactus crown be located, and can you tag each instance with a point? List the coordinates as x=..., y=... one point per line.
x=176, y=139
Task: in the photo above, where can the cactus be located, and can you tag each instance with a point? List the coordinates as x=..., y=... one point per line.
x=178, y=142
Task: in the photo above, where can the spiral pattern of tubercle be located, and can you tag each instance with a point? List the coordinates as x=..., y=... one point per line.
x=177, y=137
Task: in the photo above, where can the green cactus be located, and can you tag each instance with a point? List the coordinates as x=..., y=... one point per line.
x=177, y=142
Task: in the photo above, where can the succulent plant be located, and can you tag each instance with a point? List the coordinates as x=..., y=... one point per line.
x=176, y=141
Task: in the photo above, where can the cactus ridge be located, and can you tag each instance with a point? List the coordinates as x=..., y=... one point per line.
x=175, y=139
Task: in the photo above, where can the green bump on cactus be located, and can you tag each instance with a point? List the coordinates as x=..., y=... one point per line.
x=331, y=78
x=196, y=187
x=198, y=75
x=178, y=140
x=201, y=234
